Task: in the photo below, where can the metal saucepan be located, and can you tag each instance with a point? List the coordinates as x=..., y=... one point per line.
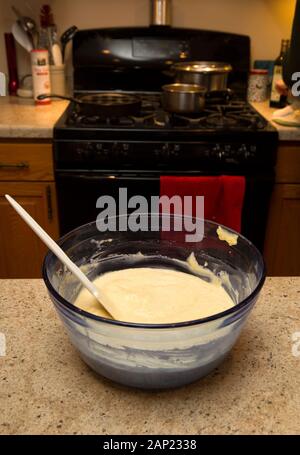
x=212, y=75
x=103, y=104
x=183, y=98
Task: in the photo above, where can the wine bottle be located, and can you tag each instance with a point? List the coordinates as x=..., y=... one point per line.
x=278, y=100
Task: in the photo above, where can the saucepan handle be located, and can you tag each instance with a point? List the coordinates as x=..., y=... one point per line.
x=62, y=97
x=223, y=95
x=202, y=98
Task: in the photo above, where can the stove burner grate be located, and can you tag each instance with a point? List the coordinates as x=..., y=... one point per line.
x=233, y=115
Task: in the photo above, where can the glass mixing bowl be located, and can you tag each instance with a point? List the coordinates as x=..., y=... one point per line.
x=157, y=355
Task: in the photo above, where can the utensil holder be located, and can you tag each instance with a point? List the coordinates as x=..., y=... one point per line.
x=58, y=79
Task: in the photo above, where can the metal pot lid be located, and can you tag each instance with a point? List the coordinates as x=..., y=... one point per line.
x=203, y=67
x=177, y=87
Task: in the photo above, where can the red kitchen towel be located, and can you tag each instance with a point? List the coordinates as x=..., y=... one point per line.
x=223, y=195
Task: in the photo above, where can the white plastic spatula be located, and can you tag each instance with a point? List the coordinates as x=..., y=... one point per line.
x=103, y=300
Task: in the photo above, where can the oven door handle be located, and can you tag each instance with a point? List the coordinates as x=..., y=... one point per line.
x=112, y=176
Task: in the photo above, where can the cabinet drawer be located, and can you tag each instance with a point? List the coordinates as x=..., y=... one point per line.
x=288, y=163
x=27, y=162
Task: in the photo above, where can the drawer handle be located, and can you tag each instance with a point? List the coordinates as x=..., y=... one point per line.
x=14, y=166
x=49, y=203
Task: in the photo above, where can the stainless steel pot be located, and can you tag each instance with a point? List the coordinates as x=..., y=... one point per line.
x=212, y=75
x=183, y=98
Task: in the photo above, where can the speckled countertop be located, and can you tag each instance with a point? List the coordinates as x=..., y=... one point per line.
x=46, y=388
x=20, y=118
x=286, y=133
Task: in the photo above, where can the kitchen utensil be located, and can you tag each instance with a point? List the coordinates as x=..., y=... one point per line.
x=211, y=75
x=2, y=84
x=50, y=45
x=21, y=37
x=28, y=25
x=13, y=81
x=61, y=255
x=183, y=98
x=104, y=104
x=67, y=36
x=158, y=355
x=56, y=55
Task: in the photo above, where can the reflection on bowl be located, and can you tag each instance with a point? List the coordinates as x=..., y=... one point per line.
x=157, y=355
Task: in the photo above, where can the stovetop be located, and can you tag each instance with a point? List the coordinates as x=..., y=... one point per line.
x=229, y=116
x=234, y=119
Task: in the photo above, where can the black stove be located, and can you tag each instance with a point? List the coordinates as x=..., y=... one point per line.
x=98, y=154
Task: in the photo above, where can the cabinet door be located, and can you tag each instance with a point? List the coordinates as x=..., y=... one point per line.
x=282, y=247
x=21, y=251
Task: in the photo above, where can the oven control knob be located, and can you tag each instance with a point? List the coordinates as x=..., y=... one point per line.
x=217, y=151
x=245, y=152
x=116, y=148
x=176, y=150
x=90, y=147
x=98, y=149
x=83, y=152
x=169, y=151
x=227, y=150
x=165, y=151
x=242, y=149
x=101, y=151
x=124, y=149
x=251, y=152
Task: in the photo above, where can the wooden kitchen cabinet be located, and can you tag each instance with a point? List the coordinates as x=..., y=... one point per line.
x=26, y=162
x=26, y=173
x=282, y=245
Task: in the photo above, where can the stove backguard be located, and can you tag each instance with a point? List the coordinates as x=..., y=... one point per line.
x=140, y=58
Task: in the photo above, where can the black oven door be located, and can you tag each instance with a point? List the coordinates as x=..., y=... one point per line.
x=77, y=194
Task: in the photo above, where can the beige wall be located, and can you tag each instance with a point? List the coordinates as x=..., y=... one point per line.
x=266, y=21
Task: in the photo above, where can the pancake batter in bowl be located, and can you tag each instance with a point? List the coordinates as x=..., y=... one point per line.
x=156, y=296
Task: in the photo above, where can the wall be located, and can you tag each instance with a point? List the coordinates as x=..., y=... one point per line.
x=266, y=21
